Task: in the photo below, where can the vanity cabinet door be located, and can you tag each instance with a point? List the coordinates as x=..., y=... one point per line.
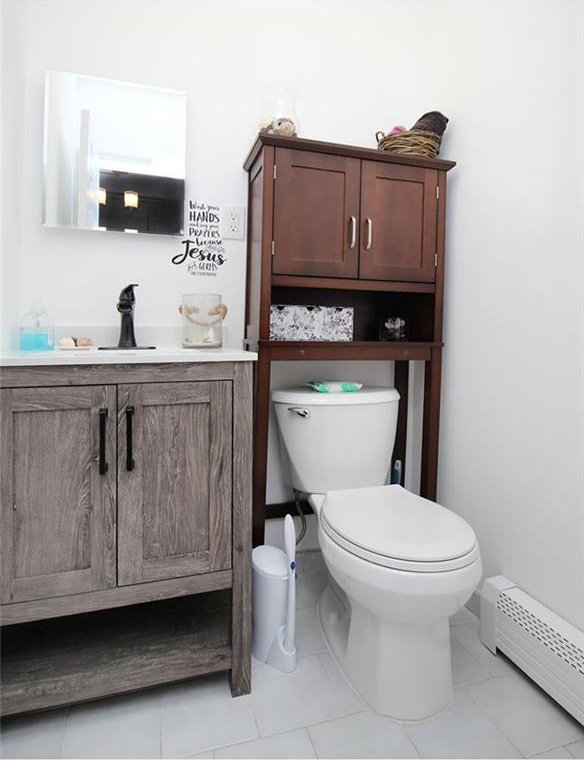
x=398, y=222
x=174, y=479
x=58, y=491
x=316, y=209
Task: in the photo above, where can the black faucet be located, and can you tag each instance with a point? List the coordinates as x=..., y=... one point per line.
x=125, y=306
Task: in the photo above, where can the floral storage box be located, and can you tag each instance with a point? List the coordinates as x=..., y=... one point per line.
x=338, y=323
x=326, y=323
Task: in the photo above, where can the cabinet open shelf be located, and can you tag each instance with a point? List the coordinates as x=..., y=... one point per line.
x=82, y=657
x=369, y=309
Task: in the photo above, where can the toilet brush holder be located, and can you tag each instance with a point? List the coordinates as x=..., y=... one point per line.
x=279, y=657
x=274, y=603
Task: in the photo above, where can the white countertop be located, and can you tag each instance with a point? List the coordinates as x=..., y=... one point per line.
x=130, y=356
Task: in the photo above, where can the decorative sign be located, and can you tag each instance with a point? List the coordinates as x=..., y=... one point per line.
x=203, y=252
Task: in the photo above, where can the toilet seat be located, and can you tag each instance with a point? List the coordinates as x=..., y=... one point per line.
x=394, y=528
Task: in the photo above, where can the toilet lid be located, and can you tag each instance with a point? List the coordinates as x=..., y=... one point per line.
x=396, y=528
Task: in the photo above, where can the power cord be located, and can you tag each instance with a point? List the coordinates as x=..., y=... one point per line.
x=301, y=515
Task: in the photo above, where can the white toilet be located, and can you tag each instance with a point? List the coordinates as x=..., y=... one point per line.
x=401, y=565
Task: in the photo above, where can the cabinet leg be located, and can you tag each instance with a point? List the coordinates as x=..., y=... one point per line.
x=401, y=382
x=240, y=684
x=242, y=524
x=432, y=381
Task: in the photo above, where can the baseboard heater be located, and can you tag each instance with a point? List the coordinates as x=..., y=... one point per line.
x=546, y=647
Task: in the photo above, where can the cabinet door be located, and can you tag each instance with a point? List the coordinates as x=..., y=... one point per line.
x=316, y=208
x=398, y=222
x=174, y=480
x=58, y=511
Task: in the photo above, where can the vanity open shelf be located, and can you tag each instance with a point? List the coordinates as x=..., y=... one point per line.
x=81, y=657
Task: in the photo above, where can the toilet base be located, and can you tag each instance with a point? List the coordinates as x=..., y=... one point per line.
x=401, y=670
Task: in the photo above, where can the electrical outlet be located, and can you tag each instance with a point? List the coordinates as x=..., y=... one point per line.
x=233, y=222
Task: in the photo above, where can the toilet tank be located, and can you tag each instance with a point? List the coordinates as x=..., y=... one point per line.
x=337, y=440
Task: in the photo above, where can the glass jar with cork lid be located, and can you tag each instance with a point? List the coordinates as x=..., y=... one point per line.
x=202, y=318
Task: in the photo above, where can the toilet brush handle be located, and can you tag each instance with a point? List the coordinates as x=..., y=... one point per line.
x=289, y=643
x=290, y=549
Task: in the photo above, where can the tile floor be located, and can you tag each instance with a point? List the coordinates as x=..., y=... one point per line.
x=497, y=712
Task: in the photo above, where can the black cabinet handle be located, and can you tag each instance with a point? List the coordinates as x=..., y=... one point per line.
x=129, y=438
x=102, y=431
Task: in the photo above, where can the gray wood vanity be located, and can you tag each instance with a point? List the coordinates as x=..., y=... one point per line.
x=126, y=524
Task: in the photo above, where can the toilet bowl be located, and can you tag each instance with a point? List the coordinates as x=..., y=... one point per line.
x=400, y=565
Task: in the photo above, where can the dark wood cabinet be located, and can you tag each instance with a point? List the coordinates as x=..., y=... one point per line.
x=335, y=216
x=339, y=225
x=58, y=511
x=398, y=222
x=316, y=210
x=124, y=484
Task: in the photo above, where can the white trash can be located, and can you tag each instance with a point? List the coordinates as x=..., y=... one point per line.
x=271, y=576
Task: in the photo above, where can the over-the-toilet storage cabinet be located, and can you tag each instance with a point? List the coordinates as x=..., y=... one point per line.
x=338, y=216
x=339, y=225
x=123, y=485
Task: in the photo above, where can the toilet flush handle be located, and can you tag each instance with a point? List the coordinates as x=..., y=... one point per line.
x=299, y=411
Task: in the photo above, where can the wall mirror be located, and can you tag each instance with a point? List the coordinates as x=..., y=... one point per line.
x=113, y=155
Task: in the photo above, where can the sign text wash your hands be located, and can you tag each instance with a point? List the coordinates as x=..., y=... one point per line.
x=203, y=251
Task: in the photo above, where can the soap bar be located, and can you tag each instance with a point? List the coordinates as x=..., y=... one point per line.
x=334, y=386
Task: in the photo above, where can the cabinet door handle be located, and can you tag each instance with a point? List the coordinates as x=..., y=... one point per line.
x=353, y=232
x=102, y=436
x=369, y=225
x=129, y=438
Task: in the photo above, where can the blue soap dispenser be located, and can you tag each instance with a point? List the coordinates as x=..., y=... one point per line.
x=36, y=329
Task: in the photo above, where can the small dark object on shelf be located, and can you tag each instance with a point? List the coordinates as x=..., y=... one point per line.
x=433, y=121
x=393, y=328
x=423, y=139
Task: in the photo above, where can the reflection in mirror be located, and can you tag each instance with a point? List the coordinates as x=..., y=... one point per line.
x=114, y=155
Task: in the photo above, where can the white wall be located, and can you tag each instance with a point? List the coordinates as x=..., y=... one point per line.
x=509, y=76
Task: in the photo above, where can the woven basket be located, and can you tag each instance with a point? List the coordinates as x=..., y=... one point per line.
x=413, y=142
